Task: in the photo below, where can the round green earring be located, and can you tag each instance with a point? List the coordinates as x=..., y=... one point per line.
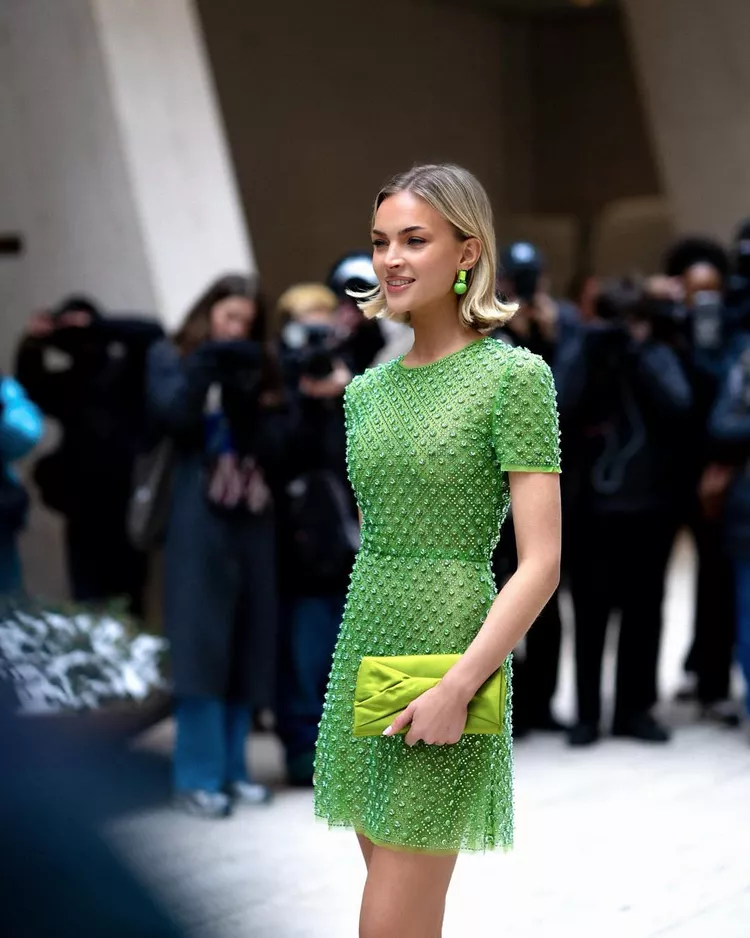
x=460, y=286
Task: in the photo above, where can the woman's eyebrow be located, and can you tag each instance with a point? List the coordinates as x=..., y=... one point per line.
x=403, y=230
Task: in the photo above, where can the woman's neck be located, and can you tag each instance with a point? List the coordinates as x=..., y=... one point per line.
x=438, y=332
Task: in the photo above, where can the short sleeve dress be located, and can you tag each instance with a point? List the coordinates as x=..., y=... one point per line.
x=429, y=449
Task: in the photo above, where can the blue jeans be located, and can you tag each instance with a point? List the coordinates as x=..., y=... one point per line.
x=210, y=747
x=742, y=640
x=313, y=625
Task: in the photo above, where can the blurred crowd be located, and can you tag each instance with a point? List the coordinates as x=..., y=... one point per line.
x=223, y=446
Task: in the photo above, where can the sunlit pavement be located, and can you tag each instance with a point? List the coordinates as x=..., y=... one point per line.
x=619, y=840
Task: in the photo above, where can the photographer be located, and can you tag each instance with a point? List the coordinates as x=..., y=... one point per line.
x=21, y=426
x=626, y=401
x=738, y=282
x=697, y=269
x=543, y=325
x=360, y=341
x=319, y=533
x=216, y=391
x=95, y=391
x=730, y=428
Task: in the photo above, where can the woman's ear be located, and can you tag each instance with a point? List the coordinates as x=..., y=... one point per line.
x=472, y=250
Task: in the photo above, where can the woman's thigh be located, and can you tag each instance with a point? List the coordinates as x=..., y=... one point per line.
x=405, y=894
x=366, y=846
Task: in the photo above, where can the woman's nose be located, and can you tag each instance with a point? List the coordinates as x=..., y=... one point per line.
x=393, y=256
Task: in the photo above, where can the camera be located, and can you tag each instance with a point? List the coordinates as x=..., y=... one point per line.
x=523, y=265
x=313, y=348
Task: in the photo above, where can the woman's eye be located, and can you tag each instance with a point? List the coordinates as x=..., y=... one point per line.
x=378, y=243
x=415, y=241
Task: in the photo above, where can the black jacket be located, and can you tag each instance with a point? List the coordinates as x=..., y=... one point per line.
x=316, y=459
x=624, y=411
x=100, y=404
x=219, y=570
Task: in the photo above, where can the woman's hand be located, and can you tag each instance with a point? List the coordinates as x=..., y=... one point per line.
x=437, y=717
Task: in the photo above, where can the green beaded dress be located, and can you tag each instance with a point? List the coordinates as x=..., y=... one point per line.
x=429, y=449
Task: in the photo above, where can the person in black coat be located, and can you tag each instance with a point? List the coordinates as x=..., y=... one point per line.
x=98, y=400
x=319, y=531
x=544, y=325
x=625, y=403
x=215, y=390
x=698, y=270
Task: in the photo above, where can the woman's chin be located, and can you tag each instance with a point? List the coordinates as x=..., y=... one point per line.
x=398, y=309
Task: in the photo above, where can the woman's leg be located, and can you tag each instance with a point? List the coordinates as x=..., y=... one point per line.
x=646, y=540
x=237, y=726
x=591, y=589
x=236, y=771
x=405, y=894
x=366, y=846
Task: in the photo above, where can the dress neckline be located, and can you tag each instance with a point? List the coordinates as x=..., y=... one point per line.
x=438, y=361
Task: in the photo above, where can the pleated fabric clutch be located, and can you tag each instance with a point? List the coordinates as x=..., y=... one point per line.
x=387, y=685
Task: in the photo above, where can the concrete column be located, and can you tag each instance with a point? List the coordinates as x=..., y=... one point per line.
x=173, y=145
x=116, y=171
x=694, y=72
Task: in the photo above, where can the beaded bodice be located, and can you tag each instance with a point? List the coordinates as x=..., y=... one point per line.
x=429, y=447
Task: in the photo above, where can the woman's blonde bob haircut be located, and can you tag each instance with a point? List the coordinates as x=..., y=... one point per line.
x=460, y=198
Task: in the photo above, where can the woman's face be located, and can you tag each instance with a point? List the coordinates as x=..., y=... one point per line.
x=416, y=253
x=232, y=318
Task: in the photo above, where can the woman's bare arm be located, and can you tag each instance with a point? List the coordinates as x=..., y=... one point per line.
x=535, y=497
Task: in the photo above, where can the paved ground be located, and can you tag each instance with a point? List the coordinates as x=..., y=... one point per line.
x=622, y=840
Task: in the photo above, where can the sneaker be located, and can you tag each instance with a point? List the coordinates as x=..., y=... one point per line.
x=201, y=803
x=583, y=734
x=249, y=793
x=643, y=727
x=725, y=712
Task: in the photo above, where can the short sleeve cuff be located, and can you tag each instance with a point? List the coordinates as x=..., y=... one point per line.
x=507, y=468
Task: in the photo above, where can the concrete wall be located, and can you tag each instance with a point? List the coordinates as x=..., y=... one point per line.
x=114, y=166
x=114, y=170
x=590, y=136
x=173, y=143
x=65, y=183
x=545, y=110
x=694, y=73
x=324, y=101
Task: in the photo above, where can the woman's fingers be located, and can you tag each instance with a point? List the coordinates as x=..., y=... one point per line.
x=402, y=720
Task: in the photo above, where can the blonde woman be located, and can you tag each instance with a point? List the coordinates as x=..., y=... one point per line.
x=439, y=443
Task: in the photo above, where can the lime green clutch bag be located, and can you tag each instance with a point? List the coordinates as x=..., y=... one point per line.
x=387, y=685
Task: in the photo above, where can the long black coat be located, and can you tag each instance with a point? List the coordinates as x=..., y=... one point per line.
x=219, y=570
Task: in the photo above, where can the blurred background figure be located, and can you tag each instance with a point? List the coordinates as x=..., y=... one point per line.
x=216, y=391
x=730, y=428
x=699, y=268
x=319, y=529
x=21, y=427
x=364, y=342
x=544, y=325
x=87, y=371
x=738, y=284
x=582, y=293
x=59, y=875
x=625, y=402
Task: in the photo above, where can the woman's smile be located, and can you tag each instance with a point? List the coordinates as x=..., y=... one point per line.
x=398, y=284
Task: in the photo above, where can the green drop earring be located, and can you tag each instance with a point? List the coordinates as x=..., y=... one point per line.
x=460, y=286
